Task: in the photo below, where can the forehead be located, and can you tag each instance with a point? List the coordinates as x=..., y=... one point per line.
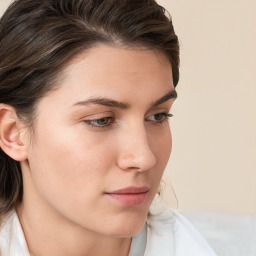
x=115, y=72
x=117, y=62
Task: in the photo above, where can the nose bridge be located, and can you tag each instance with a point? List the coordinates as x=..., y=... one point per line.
x=136, y=151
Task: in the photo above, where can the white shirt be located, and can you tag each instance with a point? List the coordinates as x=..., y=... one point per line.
x=166, y=234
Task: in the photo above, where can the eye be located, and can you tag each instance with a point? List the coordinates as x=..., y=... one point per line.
x=159, y=117
x=100, y=122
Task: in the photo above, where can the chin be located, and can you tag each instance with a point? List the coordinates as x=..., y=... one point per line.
x=128, y=227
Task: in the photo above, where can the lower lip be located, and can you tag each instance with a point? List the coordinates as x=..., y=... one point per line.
x=129, y=199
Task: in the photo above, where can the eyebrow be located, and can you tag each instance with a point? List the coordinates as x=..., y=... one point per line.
x=123, y=105
x=170, y=95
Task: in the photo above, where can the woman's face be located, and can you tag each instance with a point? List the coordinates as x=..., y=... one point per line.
x=102, y=140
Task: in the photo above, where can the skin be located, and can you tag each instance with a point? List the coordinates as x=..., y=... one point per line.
x=72, y=162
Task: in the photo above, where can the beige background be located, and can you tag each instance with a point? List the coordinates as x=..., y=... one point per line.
x=213, y=164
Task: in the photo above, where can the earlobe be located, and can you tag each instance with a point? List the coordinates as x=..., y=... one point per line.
x=10, y=135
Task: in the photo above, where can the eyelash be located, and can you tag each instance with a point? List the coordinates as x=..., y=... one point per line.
x=166, y=116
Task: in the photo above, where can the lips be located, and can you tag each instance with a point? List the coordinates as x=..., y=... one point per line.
x=130, y=190
x=129, y=196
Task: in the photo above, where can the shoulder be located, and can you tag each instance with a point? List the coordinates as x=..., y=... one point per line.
x=12, y=239
x=171, y=234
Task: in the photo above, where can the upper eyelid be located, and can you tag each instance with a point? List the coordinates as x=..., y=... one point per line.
x=107, y=114
x=98, y=116
x=113, y=119
x=158, y=111
x=152, y=108
x=112, y=116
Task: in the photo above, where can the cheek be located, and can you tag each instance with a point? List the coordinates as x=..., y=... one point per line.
x=162, y=146
x=68, y=167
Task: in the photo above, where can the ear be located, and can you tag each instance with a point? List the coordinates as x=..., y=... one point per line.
x=11, y=134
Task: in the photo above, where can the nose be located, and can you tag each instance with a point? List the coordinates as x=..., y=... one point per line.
x=135, y=151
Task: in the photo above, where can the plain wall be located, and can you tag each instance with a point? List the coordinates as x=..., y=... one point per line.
x=3, y=5
x=213, y=163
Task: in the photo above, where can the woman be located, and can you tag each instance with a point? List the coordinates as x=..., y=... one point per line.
x=86, y=87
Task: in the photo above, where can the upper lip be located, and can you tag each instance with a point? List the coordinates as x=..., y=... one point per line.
x=130, y=190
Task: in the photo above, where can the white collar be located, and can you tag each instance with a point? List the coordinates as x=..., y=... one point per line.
x=170, y=234
x=12, y=239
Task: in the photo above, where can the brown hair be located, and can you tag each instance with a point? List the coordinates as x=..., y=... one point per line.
x=38, y=37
